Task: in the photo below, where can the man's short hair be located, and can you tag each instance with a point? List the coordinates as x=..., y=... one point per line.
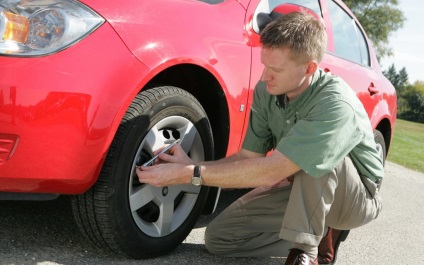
x=301, y=32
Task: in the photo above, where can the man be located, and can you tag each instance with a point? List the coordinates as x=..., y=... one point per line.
x=322, y=142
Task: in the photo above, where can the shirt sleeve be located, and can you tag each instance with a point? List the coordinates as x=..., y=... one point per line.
x=326, y=135
x=258, y=138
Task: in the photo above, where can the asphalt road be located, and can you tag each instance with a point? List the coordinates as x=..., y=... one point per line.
x=43, y=233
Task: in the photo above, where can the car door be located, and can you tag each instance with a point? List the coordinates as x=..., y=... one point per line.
x=350, y=55
x=252, y=34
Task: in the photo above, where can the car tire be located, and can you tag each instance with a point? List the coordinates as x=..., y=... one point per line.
x=136, y=219
x=381, y=149
x=381, y=145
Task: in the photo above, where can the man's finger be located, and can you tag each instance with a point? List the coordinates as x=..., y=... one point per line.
x=167, y=157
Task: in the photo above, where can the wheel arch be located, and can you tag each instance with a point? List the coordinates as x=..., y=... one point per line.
x=384, y=126
x=206, y=89
x=383, y=116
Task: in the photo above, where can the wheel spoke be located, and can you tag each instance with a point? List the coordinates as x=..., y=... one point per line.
x=164, y=224
x=153, y=139
x=141, y=197
x=380, y=151
x=188, y=188
x=189, y=132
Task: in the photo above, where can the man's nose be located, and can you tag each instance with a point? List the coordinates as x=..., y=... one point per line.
x=265, y=75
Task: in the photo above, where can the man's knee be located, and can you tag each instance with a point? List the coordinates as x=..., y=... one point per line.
x=214, y=243
x=209, y=242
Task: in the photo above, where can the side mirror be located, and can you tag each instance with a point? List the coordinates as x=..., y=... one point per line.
x=263, y=18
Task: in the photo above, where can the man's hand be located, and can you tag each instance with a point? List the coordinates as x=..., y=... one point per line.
x=176, y=155
x=170, y=168
x=165, y=174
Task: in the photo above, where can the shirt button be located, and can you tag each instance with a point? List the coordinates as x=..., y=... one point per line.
x=287, y=121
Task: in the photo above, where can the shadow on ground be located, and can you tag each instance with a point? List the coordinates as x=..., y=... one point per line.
x=44, y=233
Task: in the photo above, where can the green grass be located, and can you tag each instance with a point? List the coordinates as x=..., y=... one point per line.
x=407, y=148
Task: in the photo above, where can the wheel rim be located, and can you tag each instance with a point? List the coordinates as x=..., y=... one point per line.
x=380, y=151
x=160, y=211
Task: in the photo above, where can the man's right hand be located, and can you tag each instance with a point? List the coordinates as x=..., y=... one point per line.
x=175, y=155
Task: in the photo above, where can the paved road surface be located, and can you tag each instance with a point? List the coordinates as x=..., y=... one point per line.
x=43, y=233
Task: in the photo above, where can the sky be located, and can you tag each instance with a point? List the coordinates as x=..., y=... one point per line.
x=408, y=42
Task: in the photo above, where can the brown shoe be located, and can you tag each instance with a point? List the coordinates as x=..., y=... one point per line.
x=298, y=257
x=327, y=249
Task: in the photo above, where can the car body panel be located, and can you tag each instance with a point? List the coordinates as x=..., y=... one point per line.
x=222, y=51
x=360, y=77
x=65, y=108
x=63, y=111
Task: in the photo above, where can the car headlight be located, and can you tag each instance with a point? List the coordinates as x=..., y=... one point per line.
x=40, y=27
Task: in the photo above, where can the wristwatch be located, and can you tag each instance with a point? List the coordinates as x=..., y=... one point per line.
x=196, y=180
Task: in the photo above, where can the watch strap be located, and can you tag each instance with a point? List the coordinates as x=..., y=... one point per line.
x=196, y=172
x=196, y=180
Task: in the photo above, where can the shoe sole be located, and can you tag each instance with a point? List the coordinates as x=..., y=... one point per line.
x=342, y=238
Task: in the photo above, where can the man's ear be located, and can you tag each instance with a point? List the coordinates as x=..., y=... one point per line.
x=311, y=68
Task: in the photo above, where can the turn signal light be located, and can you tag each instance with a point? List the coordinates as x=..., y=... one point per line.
x=16, y=28
x=42, y=27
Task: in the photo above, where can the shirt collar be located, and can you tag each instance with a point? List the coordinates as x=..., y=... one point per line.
x=282, y=100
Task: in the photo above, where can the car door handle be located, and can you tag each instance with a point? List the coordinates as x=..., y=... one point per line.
x=372, y=89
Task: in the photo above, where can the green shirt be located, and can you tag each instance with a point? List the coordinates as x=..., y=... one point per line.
x=326, y=123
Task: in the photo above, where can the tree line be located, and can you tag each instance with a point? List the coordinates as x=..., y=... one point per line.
x=410, y=96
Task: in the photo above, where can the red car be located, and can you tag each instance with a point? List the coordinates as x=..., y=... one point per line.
x=89, y=89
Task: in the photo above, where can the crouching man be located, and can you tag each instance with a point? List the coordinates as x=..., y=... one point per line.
x=321, y=141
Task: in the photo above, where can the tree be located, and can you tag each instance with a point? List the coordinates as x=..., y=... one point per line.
x=410, y=97
x=379, y=18
x=392, y=75
x=411, y=102
x=419, y=85
x=403, y=79
x=399, y=80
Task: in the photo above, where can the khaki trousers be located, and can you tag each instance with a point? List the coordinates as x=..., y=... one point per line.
x=268, y=220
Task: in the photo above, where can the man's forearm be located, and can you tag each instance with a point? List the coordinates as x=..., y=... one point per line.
x=241, y=172
x=240, y=155
x=244, y=170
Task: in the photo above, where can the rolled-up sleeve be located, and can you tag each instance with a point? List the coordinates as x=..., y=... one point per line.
x=258, y=138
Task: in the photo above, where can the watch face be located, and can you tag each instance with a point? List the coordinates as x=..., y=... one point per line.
x=196, y=181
